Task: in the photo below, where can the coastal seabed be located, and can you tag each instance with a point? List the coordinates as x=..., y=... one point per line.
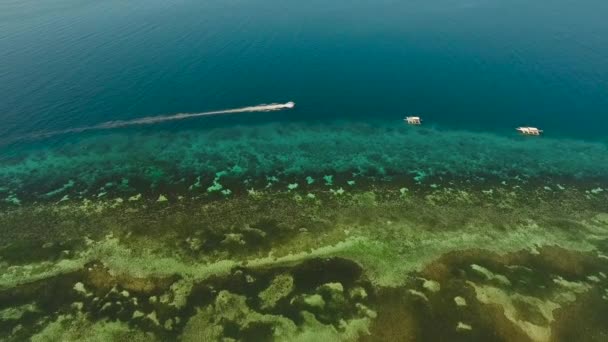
x=305, y=233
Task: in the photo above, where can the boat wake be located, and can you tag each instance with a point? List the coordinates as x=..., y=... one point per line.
x=149, y=120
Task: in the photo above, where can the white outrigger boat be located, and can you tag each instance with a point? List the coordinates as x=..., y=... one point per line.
x=413, y=120
x=529, y=130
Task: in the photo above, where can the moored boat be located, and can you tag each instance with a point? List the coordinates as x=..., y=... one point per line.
x=529, y=130
x=413, y=120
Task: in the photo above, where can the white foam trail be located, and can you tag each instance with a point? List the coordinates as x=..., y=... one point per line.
x=158, y=119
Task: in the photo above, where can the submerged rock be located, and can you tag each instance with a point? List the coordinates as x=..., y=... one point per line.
x=247, y=324
x=280, y=287
x=358, y=293
x=76, y=328
x=460, y=301
x=15, y=313
x=501, y=279
x=333, y=287
x=431, y=285
x=315, y=301
x=134, y=198
x=463, y=327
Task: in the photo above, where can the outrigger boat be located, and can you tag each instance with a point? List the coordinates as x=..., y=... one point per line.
x=412, y=120
x=529, y=130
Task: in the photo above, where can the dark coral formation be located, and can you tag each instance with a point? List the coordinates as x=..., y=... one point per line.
x=331, y=256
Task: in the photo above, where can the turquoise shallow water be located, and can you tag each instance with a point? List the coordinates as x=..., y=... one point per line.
x=168, y=162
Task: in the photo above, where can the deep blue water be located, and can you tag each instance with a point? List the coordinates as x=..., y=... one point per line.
x=482, y=65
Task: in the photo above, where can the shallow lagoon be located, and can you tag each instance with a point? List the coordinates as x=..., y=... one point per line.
x=408, y=233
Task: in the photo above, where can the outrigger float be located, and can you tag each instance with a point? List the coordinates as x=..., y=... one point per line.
x=529, y=130
x=413, y=120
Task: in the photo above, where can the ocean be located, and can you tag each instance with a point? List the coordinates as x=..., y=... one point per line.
x=484, y=65
x=333, y=219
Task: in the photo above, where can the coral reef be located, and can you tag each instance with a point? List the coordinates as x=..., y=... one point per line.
x=296, y=155
x=489, y=238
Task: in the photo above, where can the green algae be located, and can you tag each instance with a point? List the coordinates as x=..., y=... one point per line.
x=280, y=287
x=376, y=257
x=246, y=321
x=536, y=331
x=178, y=293
x=315, y=301
x=122, y=259
x=230, y=316
x=378, y=239
x=16, y=313
x=528, y=303
x=207, y=323
x=193, y=243
x=135, y=198
x=79, y=328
